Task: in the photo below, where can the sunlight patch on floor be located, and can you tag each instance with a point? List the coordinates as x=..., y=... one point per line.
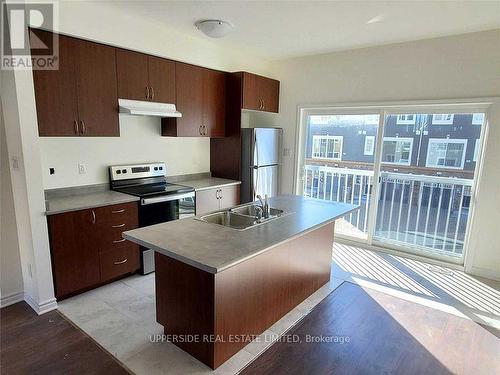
x=439, y=287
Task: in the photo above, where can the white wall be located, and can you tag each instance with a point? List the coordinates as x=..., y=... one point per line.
x=463, y=66
x=11, y=279
x=95, y=21
x=19, y=114
x=139, y=141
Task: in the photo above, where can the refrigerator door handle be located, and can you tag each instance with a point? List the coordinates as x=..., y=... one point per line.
x=255, y=174
x=256, y=149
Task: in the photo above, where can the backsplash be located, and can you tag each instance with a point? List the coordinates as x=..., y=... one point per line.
x=139, y=142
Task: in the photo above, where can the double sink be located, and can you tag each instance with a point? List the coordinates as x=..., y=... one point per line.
x=242, y=217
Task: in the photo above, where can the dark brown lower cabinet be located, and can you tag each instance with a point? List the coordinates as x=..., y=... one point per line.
x=87, y=247
x=75, y=256
x=241, y=301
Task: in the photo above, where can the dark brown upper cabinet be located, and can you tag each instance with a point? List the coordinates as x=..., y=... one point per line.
x=78, y=99
x=96, y=90
x=214, y=98
x=144, y=77
x=260, y=93
x=200, y=97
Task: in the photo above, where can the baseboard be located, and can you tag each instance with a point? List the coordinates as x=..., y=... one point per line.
x=11, y=299
x=484, y=272
x=43, y=307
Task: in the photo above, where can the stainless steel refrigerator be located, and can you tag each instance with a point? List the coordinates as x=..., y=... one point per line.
x=260, y=162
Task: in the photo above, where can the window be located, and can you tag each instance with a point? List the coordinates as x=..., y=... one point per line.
x=477, y=118
x=406, y=119
x=476, y=150
x=320, y=120
x=446, y=153
x=372, y=119
x=397, y=150
x=327, y=147
x=369, y=144
x=442, y=119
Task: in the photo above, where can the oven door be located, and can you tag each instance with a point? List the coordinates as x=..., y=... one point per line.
x=164, y=208
x=156, y=210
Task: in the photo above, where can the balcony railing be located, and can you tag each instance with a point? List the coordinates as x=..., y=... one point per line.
x=426, y=212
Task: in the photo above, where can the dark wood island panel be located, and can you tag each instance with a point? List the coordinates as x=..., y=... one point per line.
x=243, y=300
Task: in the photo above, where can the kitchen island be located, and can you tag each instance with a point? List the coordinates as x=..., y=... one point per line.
x=217, y=287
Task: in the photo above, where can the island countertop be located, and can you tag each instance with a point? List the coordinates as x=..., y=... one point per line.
x=214, y=248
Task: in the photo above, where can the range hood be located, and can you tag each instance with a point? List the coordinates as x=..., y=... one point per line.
x=140, y=108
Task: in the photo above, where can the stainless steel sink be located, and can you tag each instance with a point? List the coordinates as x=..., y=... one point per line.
x=229, y=219
x=253, y=210
x=241, y=218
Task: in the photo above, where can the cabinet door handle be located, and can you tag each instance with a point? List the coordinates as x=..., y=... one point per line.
x=118, y=211
x=204, y=130
x=152, y=96
x=75, y=126
x=220, y=194
x=217, y=193
x=263, y=104
x=93, y=217
x=118, y=241
x=84, y=128
x=201, y=133
x=147, y=92
x=120, y=262
x=118, y=226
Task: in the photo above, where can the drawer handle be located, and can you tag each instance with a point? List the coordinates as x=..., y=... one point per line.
x=118, y=211
x=121, y=262
x=117, y=241
x=118, y=226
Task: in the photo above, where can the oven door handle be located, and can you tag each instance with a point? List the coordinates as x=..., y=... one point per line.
x=166, y=198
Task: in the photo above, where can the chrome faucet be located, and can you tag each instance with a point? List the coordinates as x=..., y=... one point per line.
x=265, y=206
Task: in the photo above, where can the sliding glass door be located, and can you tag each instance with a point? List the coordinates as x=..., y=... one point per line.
x=339, y=164
x=411, y=172
x=427, y=170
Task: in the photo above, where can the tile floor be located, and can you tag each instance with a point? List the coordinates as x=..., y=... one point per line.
x=121, y=318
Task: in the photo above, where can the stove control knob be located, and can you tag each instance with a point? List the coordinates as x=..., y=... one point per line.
x=156, y=168
x=124, y=171
x=118, y=171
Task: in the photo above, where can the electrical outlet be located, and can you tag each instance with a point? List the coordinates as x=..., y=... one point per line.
x=15, y=163
x=82, y=169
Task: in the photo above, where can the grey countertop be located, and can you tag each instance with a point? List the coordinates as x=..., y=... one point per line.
x=207, y=183
x=82, y=197
x=214, y=248
x=84, y=200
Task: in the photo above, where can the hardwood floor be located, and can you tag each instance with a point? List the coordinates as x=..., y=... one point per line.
x=49, y=344
x=387, y=335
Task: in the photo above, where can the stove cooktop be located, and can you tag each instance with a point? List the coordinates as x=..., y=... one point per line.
x=154, y=189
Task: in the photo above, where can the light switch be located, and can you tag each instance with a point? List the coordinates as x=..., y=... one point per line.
x=82, y=168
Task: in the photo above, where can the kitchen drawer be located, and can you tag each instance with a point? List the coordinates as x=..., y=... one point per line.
x=119, y=261
x=117, y=214
x=110, y=236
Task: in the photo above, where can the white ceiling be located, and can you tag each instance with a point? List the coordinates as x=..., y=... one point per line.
x=282, y=29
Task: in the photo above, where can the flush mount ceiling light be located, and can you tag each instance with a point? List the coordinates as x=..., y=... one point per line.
x=214, y=28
